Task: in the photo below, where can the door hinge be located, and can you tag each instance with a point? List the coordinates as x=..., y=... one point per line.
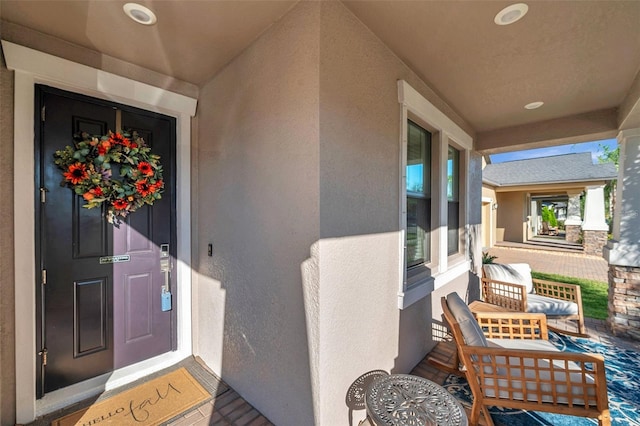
x=44, y=276
x=43, y=112
x=43, y=354
x=43, y=195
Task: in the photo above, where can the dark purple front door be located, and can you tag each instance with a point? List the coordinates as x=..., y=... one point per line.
x=95, y=316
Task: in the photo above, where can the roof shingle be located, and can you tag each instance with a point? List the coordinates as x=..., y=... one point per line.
x=559, y=168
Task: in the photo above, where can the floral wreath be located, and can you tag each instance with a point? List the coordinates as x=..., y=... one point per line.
x=87, y=168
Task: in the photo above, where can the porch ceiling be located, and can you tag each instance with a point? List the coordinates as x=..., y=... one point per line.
x=581, y=58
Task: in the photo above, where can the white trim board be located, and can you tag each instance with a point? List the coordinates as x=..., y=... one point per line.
x=418, y=104
x=78, y=76
x=33, y=67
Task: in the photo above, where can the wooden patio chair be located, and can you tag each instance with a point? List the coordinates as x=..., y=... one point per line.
x=548, y=230
x=509, y=362
x=512, y=287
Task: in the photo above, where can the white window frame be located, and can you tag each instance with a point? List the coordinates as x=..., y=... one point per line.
x=444, y=268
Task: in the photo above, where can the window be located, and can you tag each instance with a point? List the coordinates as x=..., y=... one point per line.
x=453, y=201
x=433, y=199
x=418, y=184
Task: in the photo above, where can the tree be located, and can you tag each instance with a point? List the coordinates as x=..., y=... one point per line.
x=549, y=216
x=609, y=155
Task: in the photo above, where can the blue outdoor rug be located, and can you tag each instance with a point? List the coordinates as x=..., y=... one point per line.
x=623, y=383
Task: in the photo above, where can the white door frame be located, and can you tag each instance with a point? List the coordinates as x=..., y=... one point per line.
x=32, y=67
x=489, y=200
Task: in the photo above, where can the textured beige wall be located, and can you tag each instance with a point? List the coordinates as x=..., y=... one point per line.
x=474, y=211
x=7, y=311
x=361, y=327
x=511, y=215
x=297, y=182
x=289, y=213
x=257, y=203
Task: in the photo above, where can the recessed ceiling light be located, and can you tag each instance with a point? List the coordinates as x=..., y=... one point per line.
x=511, y=14
x=534, y=105
x=140, y=14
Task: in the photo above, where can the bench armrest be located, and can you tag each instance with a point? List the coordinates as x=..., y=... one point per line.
x=508, y=295
x=513, y=325
x=556, y=290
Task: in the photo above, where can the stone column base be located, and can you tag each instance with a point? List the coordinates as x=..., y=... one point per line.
x=594, y=241
x=624, y=301
x=572, y=233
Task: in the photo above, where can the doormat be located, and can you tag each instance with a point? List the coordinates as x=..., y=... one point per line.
x=149, y=403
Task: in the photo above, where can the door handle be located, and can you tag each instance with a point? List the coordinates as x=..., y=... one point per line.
x=165, y=267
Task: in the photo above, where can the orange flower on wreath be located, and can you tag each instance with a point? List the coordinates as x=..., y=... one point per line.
x=159, y=184
x=92, y=193
x=145, y=168
x=76, y=173
x=120, y=204
x=144, y=188
x=118, y=139
x=103, y=147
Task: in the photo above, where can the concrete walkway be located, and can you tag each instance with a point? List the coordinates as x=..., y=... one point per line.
x=555, y=262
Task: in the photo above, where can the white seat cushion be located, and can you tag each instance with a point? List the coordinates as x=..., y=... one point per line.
x=528, y=344
x=515, y=273
x=549, y=306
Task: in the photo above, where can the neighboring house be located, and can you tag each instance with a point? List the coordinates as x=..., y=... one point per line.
x=326, y=181
x=514, y=192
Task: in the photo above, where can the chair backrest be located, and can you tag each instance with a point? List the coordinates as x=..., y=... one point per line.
x=515, y=273
x=470, y=331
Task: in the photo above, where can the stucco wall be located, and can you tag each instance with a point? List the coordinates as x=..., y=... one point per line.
x=297, y=176
x=288, y=213
x=7, y=311
x=474, y=210
x=361, y=327
x=511, y=215
x=257, y=203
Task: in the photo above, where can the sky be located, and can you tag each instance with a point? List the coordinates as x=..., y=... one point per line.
x=592, y=147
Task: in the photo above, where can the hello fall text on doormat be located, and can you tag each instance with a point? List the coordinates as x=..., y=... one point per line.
x=150, y=403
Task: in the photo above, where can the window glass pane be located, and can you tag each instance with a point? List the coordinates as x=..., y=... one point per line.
x=453, y=180
x=453, y=208
x=453, y=222
x=418, y=186
x=418, y=160
x=418, y=250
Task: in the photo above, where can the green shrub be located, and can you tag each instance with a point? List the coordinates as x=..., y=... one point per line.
x=487, y=258
x=549, y=216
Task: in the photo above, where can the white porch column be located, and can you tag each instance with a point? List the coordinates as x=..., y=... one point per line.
x=594, y=210
x=573, y=209
x=594, y=226
x=574, y=221
x=624, y=249
x=623, y=252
